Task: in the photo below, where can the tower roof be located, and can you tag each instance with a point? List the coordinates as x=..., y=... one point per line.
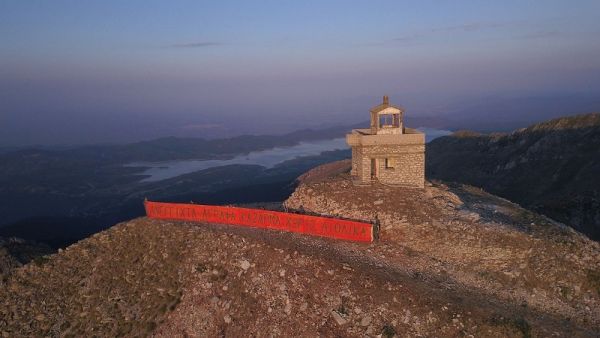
x=384, y=105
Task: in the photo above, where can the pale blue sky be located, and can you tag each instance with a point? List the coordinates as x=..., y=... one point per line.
x=89, y=71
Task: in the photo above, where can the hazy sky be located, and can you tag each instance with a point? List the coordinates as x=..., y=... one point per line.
x=112, y=71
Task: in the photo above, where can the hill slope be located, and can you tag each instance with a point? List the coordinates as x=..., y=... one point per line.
x=452, y=260
x=551, y=167
x=15, y=252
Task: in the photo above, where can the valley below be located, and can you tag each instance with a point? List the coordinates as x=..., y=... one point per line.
x=61, y=196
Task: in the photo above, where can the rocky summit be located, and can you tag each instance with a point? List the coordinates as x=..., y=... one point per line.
x=452, y=260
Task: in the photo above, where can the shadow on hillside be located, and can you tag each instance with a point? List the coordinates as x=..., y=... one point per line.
x=553, y=172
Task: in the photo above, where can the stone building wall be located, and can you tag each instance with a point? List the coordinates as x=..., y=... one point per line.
x=408, y=170
x=408, y=164
x=355, y=154
x=363, y=167
x=391, y=150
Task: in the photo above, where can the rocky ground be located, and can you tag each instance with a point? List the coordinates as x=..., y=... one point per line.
x=451, y=261
x=467, y=238
x=15, y=252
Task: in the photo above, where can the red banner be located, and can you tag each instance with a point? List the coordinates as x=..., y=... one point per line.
x=312, y=225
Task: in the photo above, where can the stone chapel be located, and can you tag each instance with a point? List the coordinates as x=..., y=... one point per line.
x=388, y=151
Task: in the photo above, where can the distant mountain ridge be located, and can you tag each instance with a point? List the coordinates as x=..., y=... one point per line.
x=551, y=167
x=572, y=122
x=173, y=148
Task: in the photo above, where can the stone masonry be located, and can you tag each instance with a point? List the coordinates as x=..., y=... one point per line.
x=387, y=151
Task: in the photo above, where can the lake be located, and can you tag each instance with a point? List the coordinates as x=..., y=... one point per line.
x=269, y=158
